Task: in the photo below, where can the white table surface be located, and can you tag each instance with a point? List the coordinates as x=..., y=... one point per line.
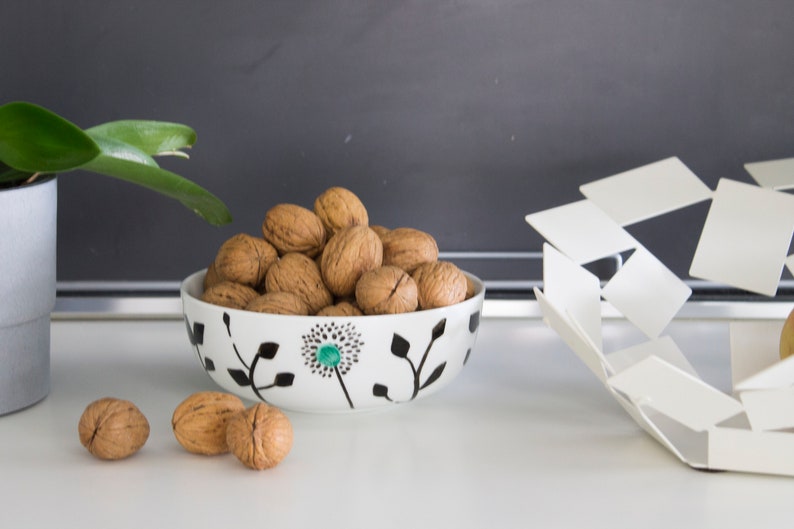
x=525, y=437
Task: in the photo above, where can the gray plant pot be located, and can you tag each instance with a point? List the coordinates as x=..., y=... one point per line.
x=27, y=291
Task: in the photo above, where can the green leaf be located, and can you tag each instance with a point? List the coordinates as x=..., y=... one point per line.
x=33, y=139
x=191, y=195
x=9, y=174
x=36, y=140
x=152, y=137
x=113, y=148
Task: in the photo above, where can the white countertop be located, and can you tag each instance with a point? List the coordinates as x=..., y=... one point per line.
x=525, y=437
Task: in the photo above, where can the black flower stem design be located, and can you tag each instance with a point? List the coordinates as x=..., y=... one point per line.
x=227, y=321
x=240, y=358
x=400, y=348
x=251, y=377
x=195, y=333
x=418, y=371
x=344, y=388
x=438, y=330
x=267, y=350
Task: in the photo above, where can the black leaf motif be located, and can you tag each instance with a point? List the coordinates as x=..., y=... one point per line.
x=399, y=346
x=227, y=320
x=240, y=376
x=268, y=350
x=438, y=330
x=466, y=358
x=434, y=375
x=379, y=390
x=284, y=380
x=209, y=365
x=196, y=333
x=474, y=321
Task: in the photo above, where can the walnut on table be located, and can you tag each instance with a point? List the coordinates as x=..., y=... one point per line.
x=260, y=437
x=199, y=422
x=112, y=428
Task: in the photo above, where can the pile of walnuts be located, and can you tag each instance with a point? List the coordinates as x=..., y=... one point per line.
x=329, y=261
x=206, y=423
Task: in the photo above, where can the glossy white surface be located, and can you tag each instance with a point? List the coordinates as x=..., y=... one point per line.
x=524, y=437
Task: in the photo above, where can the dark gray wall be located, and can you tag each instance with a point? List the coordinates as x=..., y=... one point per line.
x=456, y=117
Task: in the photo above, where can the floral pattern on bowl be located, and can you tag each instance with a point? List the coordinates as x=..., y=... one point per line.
x=331, y=364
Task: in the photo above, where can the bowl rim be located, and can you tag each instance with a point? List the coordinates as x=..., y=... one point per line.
x=476, y=299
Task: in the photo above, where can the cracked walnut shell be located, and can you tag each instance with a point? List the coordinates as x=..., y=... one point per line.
x=260, y=437
x=199, y=422
x=386, y=290
x=112, y=428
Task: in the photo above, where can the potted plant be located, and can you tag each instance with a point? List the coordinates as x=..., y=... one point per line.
x=35, y=145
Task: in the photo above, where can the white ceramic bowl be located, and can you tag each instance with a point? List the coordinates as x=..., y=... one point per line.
x=331, y=364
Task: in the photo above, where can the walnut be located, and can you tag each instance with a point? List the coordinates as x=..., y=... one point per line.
x=260, y=437
x=339, y=208
x=293, y=228
x=113, y=428
x=348, y=254
x=471, y=288
x=199, y=422
x=299, y=274
x=386, y=290
x=439, y=284
x=244, y=259
x=279, y=303
x=786, y=347
x=407, y=248
x=343, y=308
x=380, y=230
x=229, y=294
x=211, y=277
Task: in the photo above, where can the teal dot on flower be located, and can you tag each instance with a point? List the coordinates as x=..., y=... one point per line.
x=328, y=355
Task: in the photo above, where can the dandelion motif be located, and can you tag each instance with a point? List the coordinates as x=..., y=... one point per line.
x=331, y=349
